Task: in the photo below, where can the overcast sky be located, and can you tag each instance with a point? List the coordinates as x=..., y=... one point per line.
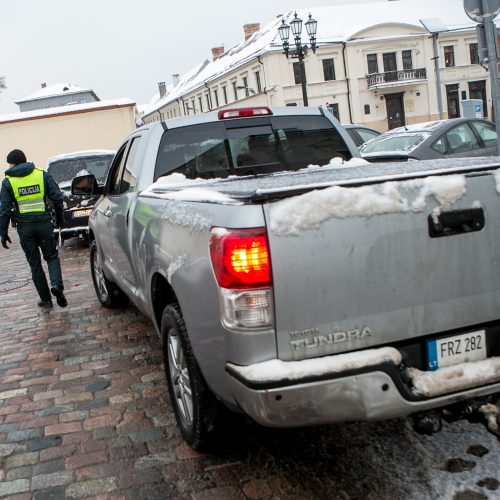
x=120, y=48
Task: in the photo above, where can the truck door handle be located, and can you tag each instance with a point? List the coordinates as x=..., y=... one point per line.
x=456, y=222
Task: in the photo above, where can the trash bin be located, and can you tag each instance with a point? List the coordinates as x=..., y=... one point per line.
x=472, y=108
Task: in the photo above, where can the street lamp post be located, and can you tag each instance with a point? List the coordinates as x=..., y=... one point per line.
x=300, y=50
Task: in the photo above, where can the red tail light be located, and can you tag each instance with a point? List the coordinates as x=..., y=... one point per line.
x=240, y=257
x=225, y=114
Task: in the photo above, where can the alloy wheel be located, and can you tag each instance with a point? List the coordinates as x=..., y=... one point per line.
x=99, y=275
x=179, y=376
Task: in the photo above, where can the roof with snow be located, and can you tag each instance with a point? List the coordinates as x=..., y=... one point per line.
x=82, y=154
x=336, y=24
x=66, y=110
x=54, y=90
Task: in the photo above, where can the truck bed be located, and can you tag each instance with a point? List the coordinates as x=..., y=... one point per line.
x=283, y=184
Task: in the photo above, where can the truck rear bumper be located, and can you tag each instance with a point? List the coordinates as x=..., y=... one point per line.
x=292, y=394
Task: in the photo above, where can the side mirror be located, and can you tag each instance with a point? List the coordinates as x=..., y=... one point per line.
x=85, y=185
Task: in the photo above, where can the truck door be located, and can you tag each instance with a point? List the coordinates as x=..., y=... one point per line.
x=119, y=221
x=103, y=210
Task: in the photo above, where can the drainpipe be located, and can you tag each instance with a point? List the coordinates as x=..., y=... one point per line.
x=264, y=79
x=210, y=107
x=344, y=44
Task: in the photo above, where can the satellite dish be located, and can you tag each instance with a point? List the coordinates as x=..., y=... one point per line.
x=480, y=10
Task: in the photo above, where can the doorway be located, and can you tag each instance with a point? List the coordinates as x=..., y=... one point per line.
x=453, y=101
x=395, y=110
x=477, y=90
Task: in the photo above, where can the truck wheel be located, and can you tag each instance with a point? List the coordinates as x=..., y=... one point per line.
x=196, y=409
x=107, y=292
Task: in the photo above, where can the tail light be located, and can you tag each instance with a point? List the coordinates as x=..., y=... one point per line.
x=226, y=114
x=242, y=268
x=240, y=257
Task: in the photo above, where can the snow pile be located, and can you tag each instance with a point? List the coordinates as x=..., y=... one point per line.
x=309, y=210
x=338, y=162
x=276, y=370
x=197, y=194
x=171, y=180
x=163, y=185
x=455, y=378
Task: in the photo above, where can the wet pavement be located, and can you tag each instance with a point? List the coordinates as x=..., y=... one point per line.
x=84, y=413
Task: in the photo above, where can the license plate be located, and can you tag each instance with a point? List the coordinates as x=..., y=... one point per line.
x=81, y=213
x=450, y=351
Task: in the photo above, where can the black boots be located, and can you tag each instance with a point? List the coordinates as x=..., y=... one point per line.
x=57, y=292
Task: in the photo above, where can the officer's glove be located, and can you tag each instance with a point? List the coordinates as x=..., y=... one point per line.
x=5, y=240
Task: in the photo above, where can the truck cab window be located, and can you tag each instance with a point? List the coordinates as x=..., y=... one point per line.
x=113, y=186
x=129, y=177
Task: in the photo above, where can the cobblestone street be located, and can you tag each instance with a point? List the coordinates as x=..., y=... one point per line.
x=84, y=413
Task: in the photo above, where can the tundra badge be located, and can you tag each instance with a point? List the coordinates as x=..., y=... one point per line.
x=311, y=338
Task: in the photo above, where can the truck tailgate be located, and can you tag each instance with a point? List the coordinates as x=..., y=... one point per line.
x=368, y=265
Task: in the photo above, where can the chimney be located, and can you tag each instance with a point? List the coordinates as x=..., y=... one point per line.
x=175, y=79
x=217, y=52
x=250, y=29
x=163, y=89
x=44, y=85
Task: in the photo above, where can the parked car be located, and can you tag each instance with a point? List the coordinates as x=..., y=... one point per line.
x=361, y=134
x=299, y=294
x=64, y=168
x=454, y=138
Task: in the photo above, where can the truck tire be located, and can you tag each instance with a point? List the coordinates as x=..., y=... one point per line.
x=107, y=292
x=196, y=409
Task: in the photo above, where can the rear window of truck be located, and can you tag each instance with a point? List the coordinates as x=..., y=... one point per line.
x=249, y=147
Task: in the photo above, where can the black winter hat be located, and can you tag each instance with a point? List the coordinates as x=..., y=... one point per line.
x=15, y=157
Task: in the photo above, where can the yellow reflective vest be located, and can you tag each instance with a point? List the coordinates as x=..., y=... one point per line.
x=29, y=191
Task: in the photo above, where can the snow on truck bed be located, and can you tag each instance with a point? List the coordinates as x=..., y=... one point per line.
x=356, y=188
x=352, y=173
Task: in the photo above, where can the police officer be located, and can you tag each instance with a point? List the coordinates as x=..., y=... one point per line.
x=23, y=196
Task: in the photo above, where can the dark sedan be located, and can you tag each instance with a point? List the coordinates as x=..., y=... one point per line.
x=454, y=138
x=63, y=169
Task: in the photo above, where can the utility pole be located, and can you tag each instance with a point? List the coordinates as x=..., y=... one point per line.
x=438, y=76
x=484, y=12
x=491, y=34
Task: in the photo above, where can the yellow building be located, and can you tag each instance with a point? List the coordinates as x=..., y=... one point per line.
x=48, y=132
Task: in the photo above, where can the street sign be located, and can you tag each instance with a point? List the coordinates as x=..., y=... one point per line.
x=480, y=10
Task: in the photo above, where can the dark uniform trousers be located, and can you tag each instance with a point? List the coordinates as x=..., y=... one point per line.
x=36, y=236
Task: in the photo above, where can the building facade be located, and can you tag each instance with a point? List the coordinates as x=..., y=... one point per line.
x=58, y=94
x=50, y=132
x=374, y=65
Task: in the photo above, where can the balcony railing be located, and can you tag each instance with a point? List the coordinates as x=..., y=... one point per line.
x=395, y=77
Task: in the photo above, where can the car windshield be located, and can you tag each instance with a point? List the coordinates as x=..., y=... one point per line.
x=367, y=134
x=65, y=170
x=249, y=146
x=403, y=143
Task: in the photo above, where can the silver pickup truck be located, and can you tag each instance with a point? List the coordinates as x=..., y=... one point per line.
x=293, y=282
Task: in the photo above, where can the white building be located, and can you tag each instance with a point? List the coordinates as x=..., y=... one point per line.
x=374, y=65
